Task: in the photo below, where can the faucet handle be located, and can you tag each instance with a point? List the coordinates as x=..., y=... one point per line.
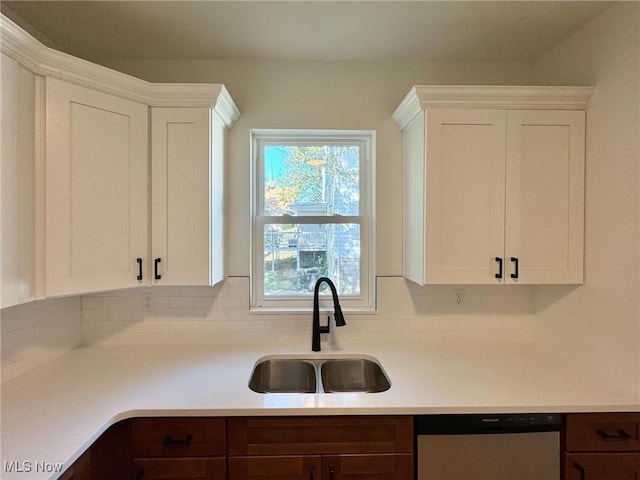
x=325, y=328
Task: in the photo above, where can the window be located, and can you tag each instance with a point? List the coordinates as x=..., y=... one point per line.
x=312, y=217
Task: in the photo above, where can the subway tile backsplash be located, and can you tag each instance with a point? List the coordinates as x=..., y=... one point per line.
x=406, y=313
x=37, y=332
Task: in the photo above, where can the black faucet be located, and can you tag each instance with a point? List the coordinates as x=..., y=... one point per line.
x=337, y=313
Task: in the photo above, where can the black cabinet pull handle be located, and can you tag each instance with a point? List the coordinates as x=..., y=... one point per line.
x=169, y=441
x=580, y=469
x=619, y=435
x=140, y=473
x=515, y=261
x=155, y=269
x=139, y=261
x=332, y=472
x=499, y=260
x=311, y=473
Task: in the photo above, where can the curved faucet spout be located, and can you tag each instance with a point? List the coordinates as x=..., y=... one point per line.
x=338, y=316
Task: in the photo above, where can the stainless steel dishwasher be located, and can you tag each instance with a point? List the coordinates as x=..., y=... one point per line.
x=488, y=447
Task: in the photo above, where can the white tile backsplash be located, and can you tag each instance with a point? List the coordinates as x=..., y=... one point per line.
x=37, y=332
x=406, y=313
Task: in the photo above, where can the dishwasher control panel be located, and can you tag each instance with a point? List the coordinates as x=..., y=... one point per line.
x=451, y=424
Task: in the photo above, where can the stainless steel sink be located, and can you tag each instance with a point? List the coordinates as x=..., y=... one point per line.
x=353, y=375
x=283, y=376
x=357, y=374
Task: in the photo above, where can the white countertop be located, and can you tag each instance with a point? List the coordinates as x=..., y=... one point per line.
x=55, y=412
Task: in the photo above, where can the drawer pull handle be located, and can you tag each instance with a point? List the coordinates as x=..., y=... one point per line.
x=139, y=262
x=140, y=473
x=580, y=469
x=619, y=435
x=332, y=472
x=311, y=473
x=169, y=441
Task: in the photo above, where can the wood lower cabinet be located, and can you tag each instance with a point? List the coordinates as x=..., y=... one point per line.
x=598, y=466
x=179, y=448
x=322, y=467
x=251, y=448
x=397, y=466
x=80, y=470
x=277, y=467
x=320, y=448
x=191, y=468
x=601, y=446
x=108, y=458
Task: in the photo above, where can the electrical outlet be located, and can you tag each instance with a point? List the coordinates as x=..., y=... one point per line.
x=459, y=293
x=147, y=302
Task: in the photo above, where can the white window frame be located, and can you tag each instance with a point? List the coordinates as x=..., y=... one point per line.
x=365, y=301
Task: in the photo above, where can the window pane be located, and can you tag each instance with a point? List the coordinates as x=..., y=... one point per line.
x=296, y=255
x=311, y=180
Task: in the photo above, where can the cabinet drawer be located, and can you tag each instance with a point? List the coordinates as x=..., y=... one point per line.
x=601, y=466
x=604, y=432
x=196, y=468
x=385, y=466
x=286, y=467
x=318, y=435
x=178, y=437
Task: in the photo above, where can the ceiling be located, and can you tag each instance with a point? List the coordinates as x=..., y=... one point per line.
x=303, y=30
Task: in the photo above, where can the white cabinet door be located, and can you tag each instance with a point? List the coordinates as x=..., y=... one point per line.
x=182, y=181
x=465, y=195
x=18, y=174
x=96, y=190
x=545, y=196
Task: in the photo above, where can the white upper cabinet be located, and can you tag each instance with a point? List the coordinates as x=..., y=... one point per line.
x=88, y=137
x=493, y=184
x=544, y=233
x=96, y=190
x=21, y=112
x=188, y=196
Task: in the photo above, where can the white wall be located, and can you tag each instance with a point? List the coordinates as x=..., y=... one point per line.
x=599, y=322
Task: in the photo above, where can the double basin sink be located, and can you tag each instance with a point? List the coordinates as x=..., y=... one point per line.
x=288, y=374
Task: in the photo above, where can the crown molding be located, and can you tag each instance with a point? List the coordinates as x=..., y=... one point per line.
x=45, y=61
x=423, y=97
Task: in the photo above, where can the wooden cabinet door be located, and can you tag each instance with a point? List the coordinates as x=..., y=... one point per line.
x=96, y=190
x=602, y=466
x=81, y=468
x=199, y=468
x=319, y=435
x=465, y=195
x=19, y=142
x=284, y=467
x=367, y=467
x=181, y=192
x=545, y=196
